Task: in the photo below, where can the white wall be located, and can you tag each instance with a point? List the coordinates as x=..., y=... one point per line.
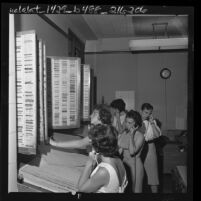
x=141, y=73
x=56, y=43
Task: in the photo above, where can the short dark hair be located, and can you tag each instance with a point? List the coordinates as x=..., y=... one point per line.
x=104, y=113
x=147, y=106
x=135, y=116
x=118, y=104
x=104, y=140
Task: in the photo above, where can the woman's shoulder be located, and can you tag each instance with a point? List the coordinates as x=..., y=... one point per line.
x=109, y=167
x=100, y=175
x=103, y=172
x=102, y=169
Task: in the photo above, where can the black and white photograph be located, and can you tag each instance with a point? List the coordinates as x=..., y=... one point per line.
x=97, y=99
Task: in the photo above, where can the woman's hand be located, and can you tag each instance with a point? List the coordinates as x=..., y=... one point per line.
x=93, y=156
x=52, y=141
x=133, y=129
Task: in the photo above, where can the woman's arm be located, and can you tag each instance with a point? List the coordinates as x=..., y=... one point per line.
x=131, y=147
x=138, y=141
x=119, y=144
x=89, y=167
x=82, y=143
x=89, y=184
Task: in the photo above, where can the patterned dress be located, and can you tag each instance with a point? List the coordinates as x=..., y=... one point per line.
x=134, y=163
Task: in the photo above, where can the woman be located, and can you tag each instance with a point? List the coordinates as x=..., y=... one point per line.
x=118, y=110
x=100, y=115
x=104, y=171
x=130, y=145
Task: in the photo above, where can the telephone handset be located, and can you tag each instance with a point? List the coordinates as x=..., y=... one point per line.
x=135, y=127
x=95, y=156
x=150, y=118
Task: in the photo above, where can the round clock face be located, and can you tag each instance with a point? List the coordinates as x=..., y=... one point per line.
x=165, y=73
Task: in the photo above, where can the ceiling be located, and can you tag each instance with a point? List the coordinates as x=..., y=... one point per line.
x=95, y=27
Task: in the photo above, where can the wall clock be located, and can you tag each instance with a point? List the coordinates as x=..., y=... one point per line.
x=165, y=73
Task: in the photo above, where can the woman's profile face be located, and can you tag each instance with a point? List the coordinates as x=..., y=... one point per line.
x=129, y=123
x=95, y=119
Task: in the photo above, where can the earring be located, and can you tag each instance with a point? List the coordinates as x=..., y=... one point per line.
x=96, y=157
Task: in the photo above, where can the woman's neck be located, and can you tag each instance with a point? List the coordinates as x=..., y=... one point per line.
x=105, y=159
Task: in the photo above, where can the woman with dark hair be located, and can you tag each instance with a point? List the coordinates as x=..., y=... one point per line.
x=130, y=145
x=104, y=171
x=118, y=110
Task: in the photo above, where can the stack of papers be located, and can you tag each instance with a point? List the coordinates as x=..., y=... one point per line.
x=55, y=170
x=52, y=178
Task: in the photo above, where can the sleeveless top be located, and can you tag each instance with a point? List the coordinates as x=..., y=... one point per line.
x=113, y=186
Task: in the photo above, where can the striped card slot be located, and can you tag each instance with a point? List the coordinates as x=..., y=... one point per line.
x=26, y=67
x=45, y=109
x=65, y=92
x=86, y=89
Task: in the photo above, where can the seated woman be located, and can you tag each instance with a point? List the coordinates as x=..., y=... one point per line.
x=130, y=143
x=100, y=115
x=104, y=171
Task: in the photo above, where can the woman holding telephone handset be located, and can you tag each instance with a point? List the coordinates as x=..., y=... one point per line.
x=130, y=145
x=104, y=171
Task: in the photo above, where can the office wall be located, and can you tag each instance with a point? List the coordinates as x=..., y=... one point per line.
x=169, y=101
x=114, y=72
x=56, y=43
x=141, y=73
